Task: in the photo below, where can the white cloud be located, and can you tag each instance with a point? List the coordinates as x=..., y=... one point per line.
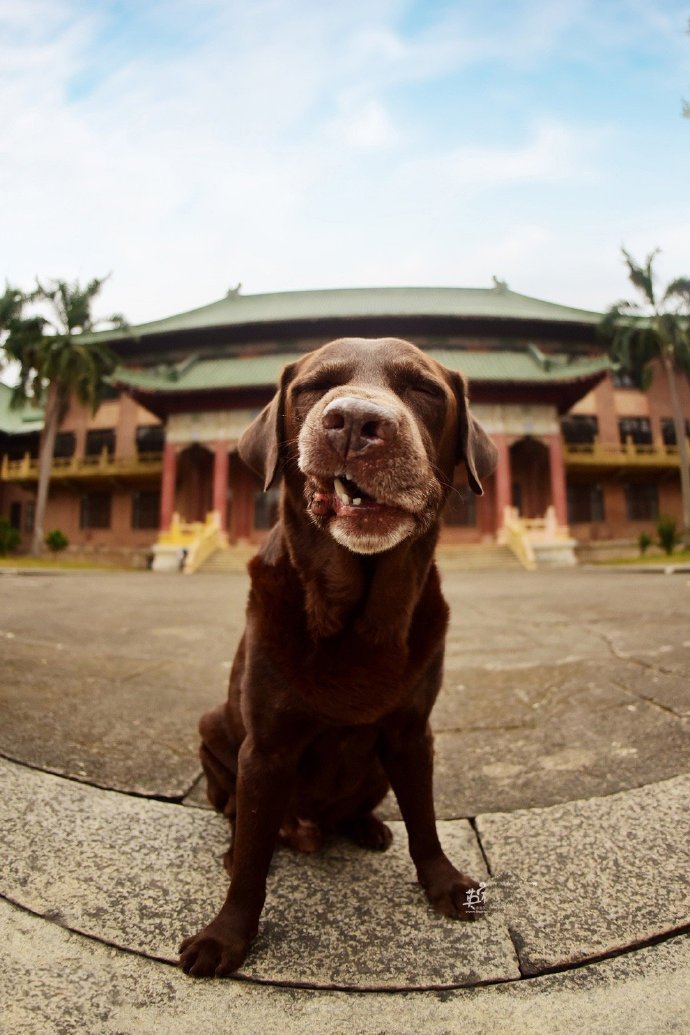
x=365, y=126
x=284, y=144
x=553, y=153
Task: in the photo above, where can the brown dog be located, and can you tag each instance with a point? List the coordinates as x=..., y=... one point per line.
x=341, y=661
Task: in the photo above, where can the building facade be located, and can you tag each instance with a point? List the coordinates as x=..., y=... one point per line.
x=571, y=436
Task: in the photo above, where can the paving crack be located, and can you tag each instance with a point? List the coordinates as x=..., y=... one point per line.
x=508, y=728
x=681, y=931
x=192, y=786
x=649, y=700
x=168, y=799
x=648, y=667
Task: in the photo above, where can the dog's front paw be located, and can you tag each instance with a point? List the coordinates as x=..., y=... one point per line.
x=214, y=952
x=456, y=895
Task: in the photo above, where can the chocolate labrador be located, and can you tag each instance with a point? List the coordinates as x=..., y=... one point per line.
x=341, y=660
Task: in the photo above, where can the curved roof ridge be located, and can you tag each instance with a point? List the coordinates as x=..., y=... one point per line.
x=494, y=302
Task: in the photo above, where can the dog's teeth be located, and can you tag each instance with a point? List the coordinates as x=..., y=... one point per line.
x=340, y=492
x=357, y=501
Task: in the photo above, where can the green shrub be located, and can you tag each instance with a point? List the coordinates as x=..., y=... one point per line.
x=56, y=541
x=9, y=537
x=644, y=542
x=667, y=530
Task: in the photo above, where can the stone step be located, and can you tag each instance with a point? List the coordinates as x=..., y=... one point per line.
x=569, y=883
x=476, y=557
x=230, y=559
x=142, y=874
x=452, y=558
x=57, y=981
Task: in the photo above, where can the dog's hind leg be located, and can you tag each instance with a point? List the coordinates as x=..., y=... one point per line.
x=357, y=820
x=368, y=831
x=219, y=760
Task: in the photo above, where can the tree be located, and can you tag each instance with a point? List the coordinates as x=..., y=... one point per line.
x=655, y=328
x=11, y=303
x=58, y=359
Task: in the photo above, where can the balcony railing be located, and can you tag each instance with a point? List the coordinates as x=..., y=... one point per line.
x=630, y=454
x=102, y=465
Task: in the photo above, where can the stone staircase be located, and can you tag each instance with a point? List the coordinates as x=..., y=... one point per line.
x=451, y=558
x=228, y=559
x=479, y=557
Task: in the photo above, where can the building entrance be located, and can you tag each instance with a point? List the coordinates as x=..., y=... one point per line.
x=530, y=477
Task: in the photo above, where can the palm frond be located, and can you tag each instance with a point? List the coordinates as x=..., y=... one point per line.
x=678, y=289
x=642, y=276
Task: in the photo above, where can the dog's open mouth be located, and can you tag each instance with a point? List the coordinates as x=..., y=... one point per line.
x=355, y=518
x=346, y=499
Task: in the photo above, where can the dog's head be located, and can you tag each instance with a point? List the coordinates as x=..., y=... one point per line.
x=372, y=428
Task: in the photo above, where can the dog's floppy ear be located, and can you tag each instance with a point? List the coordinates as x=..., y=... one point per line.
x=474, y=446
x=260, y=444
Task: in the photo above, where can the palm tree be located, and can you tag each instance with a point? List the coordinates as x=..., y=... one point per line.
x=11, y=302
x=58, y=359
x=655, y=329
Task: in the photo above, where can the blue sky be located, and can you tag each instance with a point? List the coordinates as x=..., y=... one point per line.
x=187, y=145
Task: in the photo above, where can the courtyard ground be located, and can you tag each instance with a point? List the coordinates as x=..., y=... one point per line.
x=562, y=779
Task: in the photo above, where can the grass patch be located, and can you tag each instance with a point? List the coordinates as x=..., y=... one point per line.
x=57, y=564
x=677, y=557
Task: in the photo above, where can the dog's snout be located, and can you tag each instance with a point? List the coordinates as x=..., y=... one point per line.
x=353, y=425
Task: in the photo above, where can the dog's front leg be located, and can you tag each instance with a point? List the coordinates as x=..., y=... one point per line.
x=407, y=757
x=264, y=782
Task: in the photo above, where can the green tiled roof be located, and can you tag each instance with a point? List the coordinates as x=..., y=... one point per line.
x=236, y=309
x=17, y=421
x=263, y=371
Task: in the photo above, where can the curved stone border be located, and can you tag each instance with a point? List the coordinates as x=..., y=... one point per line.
x=571, y=882
x=55, y=981
x=589, y=878
x=141, y=874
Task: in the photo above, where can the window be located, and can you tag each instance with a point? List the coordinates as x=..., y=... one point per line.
x=580, y=430
x=17, y=446
x=585, y=503
x=146, y=508
x=99, y=439
x=64, y=445
x=266, y=509
x=95, y=510
x=461, y=509
x=16, y=515
x=668, y=430
x=638, y=429
x=150, y=438
x=642, y=501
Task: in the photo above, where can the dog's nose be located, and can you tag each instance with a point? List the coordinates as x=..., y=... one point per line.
x=353, y=425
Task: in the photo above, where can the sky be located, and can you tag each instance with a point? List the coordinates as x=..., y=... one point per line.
x=186, y=146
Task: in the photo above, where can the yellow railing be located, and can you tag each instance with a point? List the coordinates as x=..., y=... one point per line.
x=515, y=536
x=26, y=469
x=198, y=539
x=537, y=542
x=593, y=454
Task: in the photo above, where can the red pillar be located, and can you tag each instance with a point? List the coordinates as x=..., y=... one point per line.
x=168, y=485
x=244, y=487
x=220, y=481
x=558, y=491
x=503, y=493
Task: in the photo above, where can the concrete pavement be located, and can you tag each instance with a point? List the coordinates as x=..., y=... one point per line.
x=563, y=741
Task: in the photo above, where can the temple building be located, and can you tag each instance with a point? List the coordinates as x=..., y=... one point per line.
x=578, y=447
